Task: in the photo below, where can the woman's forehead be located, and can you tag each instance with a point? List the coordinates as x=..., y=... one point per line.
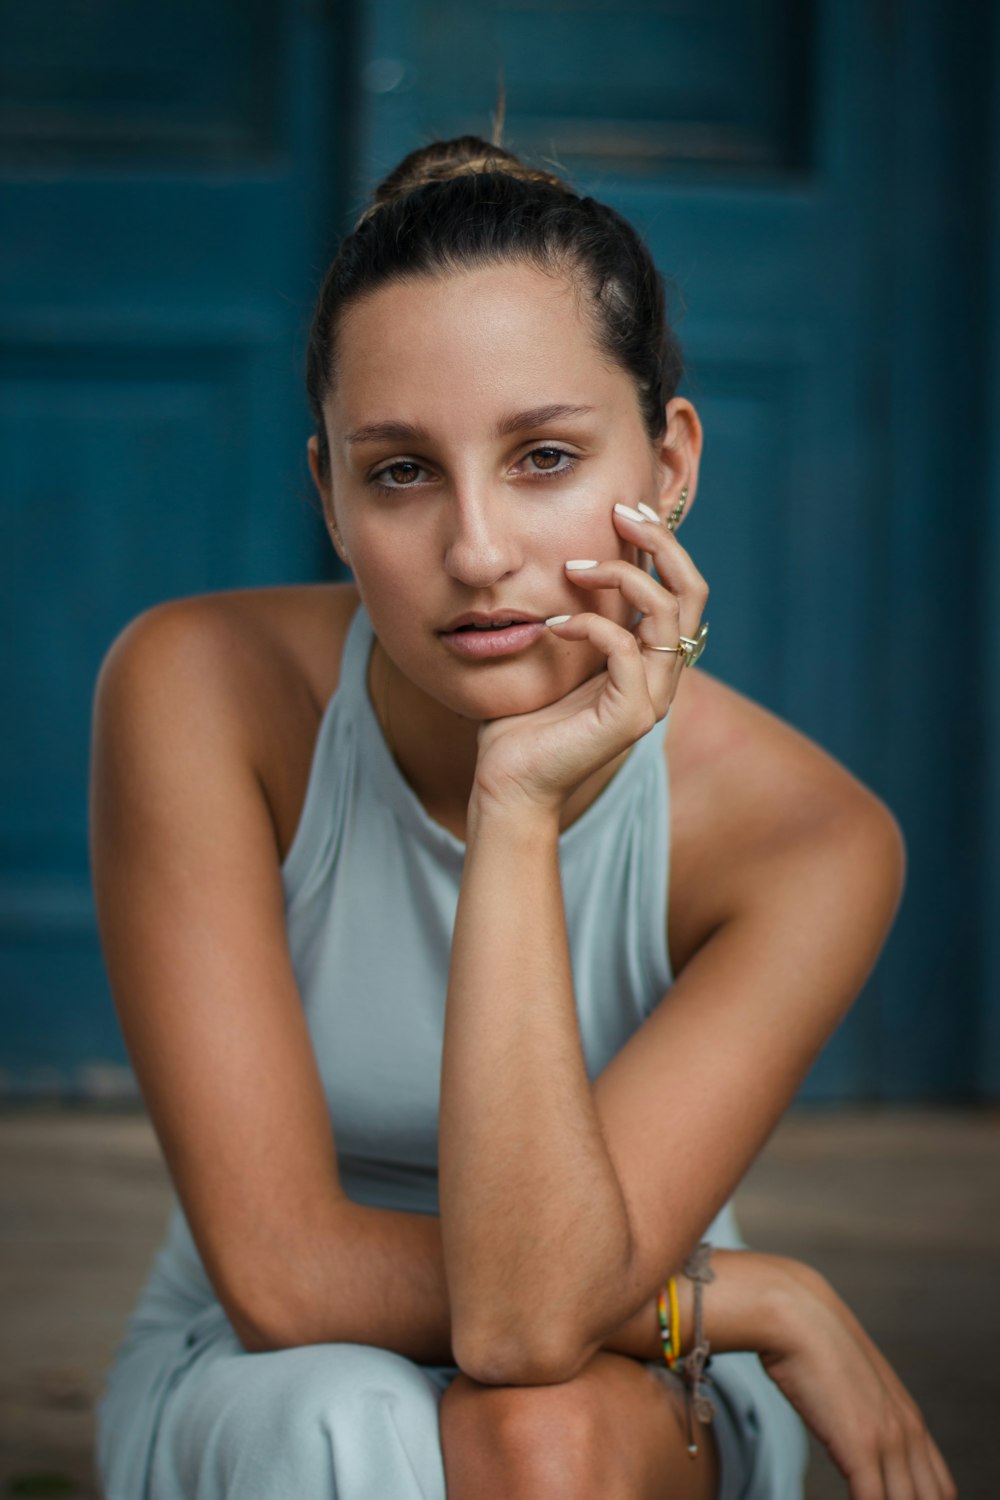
x=500, y=339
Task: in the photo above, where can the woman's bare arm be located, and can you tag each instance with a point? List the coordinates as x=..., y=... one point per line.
x=565, y=1204
x=190, y=905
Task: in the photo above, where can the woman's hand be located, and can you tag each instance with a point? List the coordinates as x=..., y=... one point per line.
x=847, y=1393
x=541, y=757
x=822, y=1360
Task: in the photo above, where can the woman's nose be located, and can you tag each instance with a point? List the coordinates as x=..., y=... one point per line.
x=480, y=541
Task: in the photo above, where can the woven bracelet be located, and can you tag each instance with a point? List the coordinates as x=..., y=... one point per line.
x=693, y=1365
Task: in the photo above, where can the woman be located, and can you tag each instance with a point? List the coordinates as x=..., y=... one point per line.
x=447, y=1093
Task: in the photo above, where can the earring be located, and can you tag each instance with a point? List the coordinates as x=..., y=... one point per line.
x=673, y=519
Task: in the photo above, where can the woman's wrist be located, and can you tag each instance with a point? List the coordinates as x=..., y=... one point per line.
x=521, y=817
x=757, y=1302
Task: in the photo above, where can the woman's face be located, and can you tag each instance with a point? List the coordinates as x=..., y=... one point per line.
x=478, y=439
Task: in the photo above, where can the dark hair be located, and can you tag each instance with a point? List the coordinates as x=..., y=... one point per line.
x=463, y=203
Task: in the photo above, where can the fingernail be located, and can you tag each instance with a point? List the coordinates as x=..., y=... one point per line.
x=633, y=515
x=649, y=513
x=582, y=562
x=558, y=619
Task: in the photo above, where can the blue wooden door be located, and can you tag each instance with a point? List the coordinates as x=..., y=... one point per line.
x=812, y=175
x=800, y=168
x=167, y=173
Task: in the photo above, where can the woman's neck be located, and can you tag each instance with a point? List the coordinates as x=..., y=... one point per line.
x=434, y=748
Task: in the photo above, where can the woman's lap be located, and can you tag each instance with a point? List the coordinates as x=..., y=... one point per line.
x=350, y=1421
x=323, y=1421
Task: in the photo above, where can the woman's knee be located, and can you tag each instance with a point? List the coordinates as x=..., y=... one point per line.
x=507, y=1441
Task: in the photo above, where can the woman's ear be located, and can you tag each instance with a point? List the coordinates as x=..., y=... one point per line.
x=321, y=480
x=678, y=458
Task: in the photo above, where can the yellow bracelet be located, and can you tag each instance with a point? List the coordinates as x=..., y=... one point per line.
x=669, y=1313
x=675, y=1317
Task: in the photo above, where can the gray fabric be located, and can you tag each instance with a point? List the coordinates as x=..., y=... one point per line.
x=371, y=886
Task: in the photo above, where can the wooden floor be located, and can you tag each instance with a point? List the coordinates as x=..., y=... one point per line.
x=901, y=1210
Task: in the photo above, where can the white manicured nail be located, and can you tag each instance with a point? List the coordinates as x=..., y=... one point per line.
x=582, y=562
x=649, y=513
x=633, y=515
x=557, y=619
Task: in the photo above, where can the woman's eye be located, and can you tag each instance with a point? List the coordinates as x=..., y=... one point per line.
x=547, y=460
x=402, y=474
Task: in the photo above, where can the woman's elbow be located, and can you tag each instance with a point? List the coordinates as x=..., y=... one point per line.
x=262, y=1320
x=260, y=1329
x=498, y=1357
x=882, y=855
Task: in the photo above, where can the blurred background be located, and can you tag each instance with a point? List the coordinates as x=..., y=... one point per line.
x=819, y=179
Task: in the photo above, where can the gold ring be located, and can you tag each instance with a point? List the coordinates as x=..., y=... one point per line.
x=693, y=647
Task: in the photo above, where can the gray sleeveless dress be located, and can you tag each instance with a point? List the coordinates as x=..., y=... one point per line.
x=371, y=884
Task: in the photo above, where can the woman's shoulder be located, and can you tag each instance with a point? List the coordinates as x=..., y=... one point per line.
x=751, y=794
x=243, y=676
x=729, y=753
x=265, y=639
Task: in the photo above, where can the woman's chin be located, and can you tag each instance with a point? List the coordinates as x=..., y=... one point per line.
x=500, y=695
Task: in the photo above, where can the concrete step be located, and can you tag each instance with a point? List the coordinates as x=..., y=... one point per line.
x=900, y=1209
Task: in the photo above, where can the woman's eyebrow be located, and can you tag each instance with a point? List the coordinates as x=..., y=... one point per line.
x=407, y=432
x=386, y=432
x=539, y=416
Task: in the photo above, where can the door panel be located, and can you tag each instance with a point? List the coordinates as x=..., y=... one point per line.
x=173, y=83
x=168, y=179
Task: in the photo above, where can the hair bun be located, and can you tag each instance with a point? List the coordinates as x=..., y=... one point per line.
x=466, y=155
x=468, y=203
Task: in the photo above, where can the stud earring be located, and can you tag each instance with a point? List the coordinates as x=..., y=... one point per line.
x=673, y=520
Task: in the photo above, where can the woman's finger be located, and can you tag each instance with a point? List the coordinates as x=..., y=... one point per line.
x=930, y=1472
x=659, y=626
x=944, y=1487
x=897, y=1477
x=641, y=591
x=677, y=572
x=866, y=1483
x=626, y=671
x=928, y=1482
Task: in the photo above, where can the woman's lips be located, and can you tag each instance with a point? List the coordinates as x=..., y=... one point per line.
x=504, y=640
